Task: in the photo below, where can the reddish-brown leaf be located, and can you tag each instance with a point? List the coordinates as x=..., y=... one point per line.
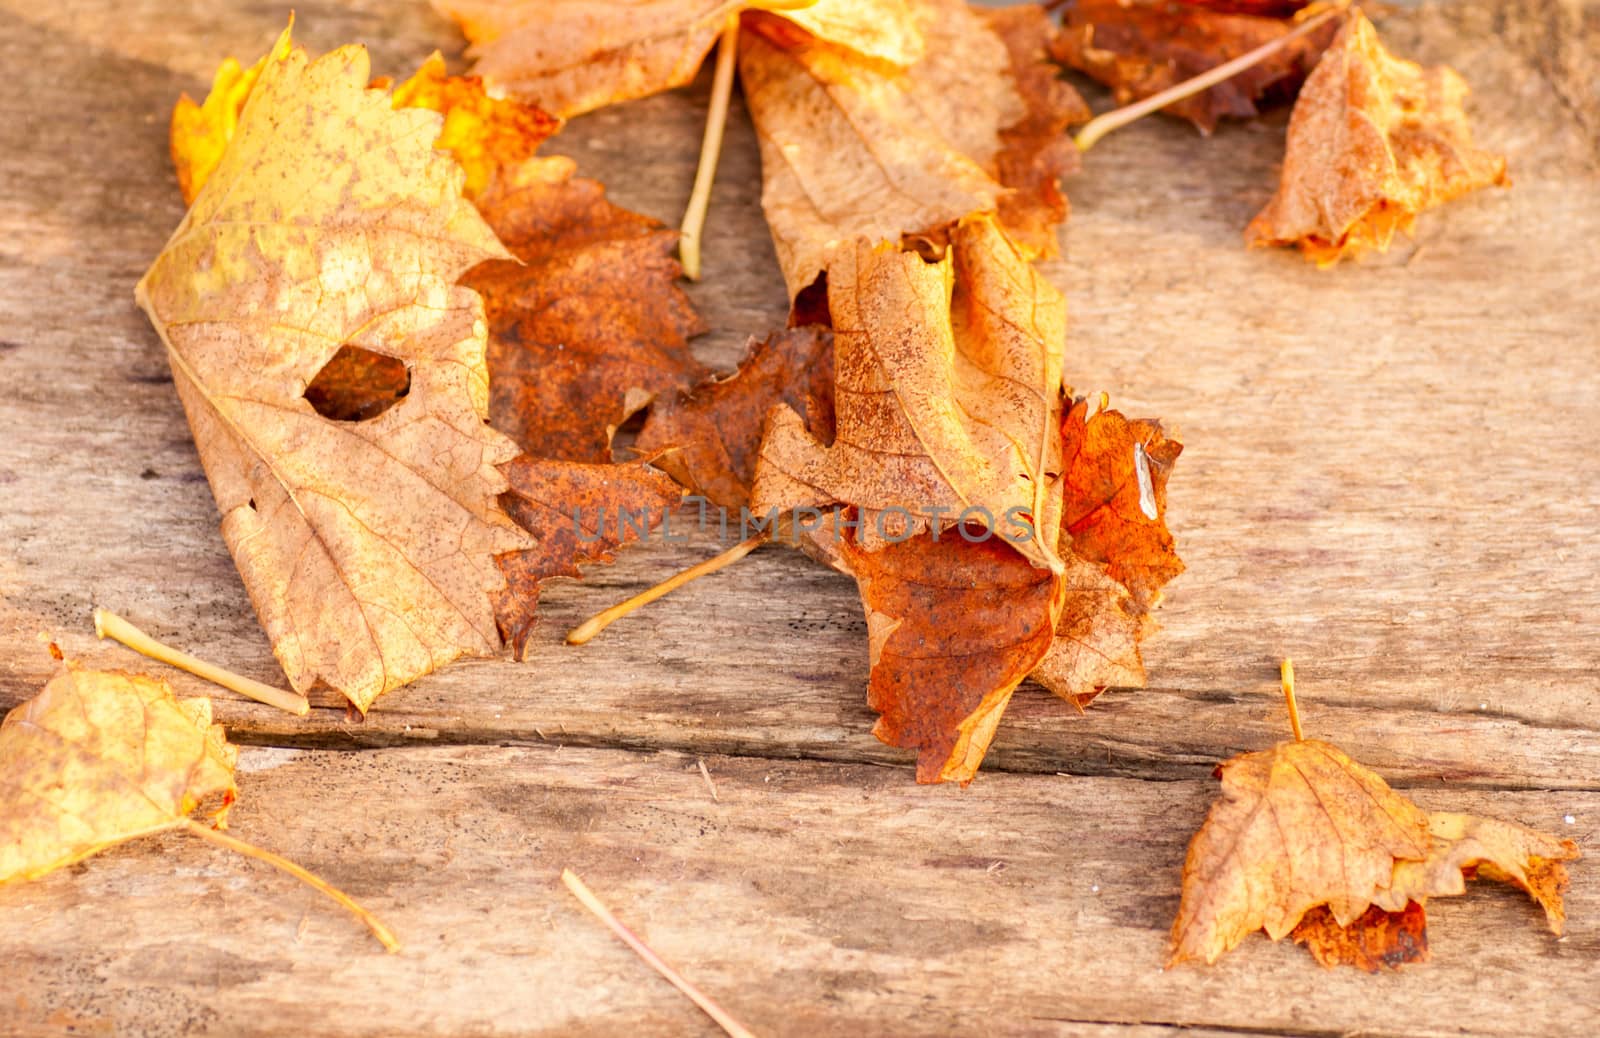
x=1035, y=151
x=1376, y=941
x=578, y=514
x=709, y=439
x=952, y=628
x=1142, y=47
x=1115, y=508
x=590, y=325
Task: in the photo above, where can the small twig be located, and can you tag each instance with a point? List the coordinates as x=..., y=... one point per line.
x=600, y=621
x=250, y=850
x=1286, y=675
x=601, y=912
x=705, y=773
x=109, y=625
x=1101, y=125
x=694, y=216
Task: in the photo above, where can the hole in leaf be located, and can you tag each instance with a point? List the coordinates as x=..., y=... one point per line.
x=357, y=385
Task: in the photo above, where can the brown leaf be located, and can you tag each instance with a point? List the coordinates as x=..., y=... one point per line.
x=1376, y=940
x=578, y=514
x=1372, y=142
x=1499, y=850
x=852, y=149
x=591, y=325
x=1141, y=47
x=708, y=440
x=1115, y=506
x=367, y=547
x=1113, y=515
x=571, y=56
x=1297, y=826
x=1035, y=151
x=947, y=397
x=952, y=628
x=100, y=757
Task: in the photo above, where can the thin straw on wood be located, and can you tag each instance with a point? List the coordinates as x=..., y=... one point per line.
x=695, y=995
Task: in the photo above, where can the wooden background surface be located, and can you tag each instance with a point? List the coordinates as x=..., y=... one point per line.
x=1390, y=474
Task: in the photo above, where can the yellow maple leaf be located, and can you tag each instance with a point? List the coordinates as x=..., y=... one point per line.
x=99, y=757
x=329, y=227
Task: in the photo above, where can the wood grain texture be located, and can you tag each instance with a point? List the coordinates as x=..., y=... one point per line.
x=1389, y=475
x=808, y=898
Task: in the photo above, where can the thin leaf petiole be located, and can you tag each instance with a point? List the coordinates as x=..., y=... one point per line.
x=600, y=621
x=1286, y=676
x=694, y=216
x=109, y=625
x=1115, y=119
x=384, y=935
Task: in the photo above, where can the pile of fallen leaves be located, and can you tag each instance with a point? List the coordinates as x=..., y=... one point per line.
x=406, y=341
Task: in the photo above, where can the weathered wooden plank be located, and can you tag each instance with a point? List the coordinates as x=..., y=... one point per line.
x=809, y=898
x=1385, y=476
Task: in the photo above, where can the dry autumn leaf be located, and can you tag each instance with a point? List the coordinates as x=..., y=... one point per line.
x=590, y=325
x=952, y=628
x=583, y=332
x=947, y=397
x=708, y=440
x=1141, y=48
x=1297, y=826
x=100, y=757
x=571, y=56
x=852, y=150
x=368, y=547
x=1372, y=142
x=1492, y=849
x=1305, y=841
x=578, y=514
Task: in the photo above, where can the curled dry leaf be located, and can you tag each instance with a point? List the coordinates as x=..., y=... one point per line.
x=709, y=440
x=1488, y=847
x=1115, y=472
x=852, y=149
x=100, y=757
x=1143, y=47
x=571, y=56
x=1306, y=841
x=947, y=396
x=955, y=622
x=1372, y=142
x=330, y=222
x=1297, y=826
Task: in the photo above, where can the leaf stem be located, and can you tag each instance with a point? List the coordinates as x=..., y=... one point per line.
x=1115, y=119
x=1286, y=675
x=250, y=850
x=694, y=216
x=109, y=625
x=600, y=621
x=601, y=912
